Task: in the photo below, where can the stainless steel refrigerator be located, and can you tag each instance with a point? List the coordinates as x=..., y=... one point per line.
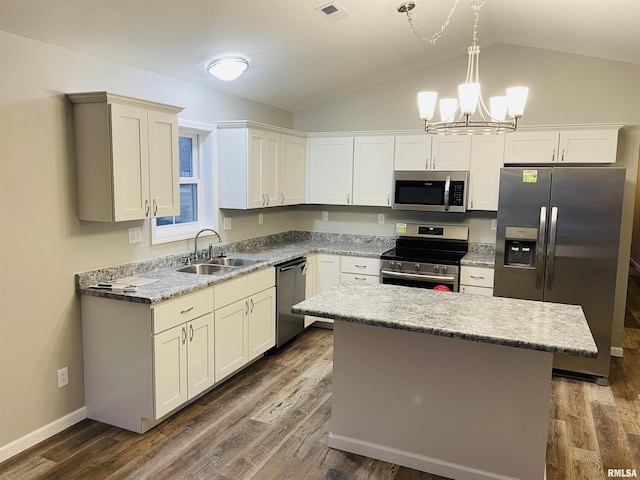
x=557, y=241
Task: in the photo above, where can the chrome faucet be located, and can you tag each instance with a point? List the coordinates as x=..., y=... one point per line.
x=196, y=240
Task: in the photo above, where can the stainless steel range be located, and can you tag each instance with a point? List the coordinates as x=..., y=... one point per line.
x=426, y=256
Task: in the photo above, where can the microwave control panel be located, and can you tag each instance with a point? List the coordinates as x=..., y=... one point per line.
x=457, y=193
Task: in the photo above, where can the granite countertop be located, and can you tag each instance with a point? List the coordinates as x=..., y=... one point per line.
x=170, y=283
x=480, y=255
x=527, y=324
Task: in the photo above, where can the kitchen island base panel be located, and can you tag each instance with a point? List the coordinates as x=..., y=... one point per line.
x=451, y=407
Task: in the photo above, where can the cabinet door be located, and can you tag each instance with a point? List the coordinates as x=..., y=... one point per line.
x=358, y=278
x=373, y=170
x=292, y=170
x=588, y=146
x=200, y=354
x=262, y=322
x=488, y=292
x=230, y=341
x=450, y=153
x=487, y=153
x=331, y=170
x=262, y=169
x=170, y=369
x=328, y=272
x=130, y=161
x=531, y=147
x=164, y=174
x=412, y=152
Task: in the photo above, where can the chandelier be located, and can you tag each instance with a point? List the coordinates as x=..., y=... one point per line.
x=468, y=114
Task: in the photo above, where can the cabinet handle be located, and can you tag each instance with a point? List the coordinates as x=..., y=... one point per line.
x=360, y=278
x=433, y=163
x=251, y=301
x=187, y=310
x=360, y=266
x=146, y=208
x=155, y=207
x=282, y=198
x=427, y=164
x=562, y=157
x=477, y=277
x=347, y=199
x=191, y=333
x=388, y=199
x=184, y=335
x=246, y=308
x=263, y=200
x=553, y=155
x=267, y=196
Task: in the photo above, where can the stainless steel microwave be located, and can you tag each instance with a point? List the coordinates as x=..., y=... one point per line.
x=430, y=191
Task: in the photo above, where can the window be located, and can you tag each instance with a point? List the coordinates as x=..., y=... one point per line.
x=197, y=191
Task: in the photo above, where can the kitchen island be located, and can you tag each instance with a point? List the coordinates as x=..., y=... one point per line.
x=451, y=384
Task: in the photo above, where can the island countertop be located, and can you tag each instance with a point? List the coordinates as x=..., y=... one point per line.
x=526, y=324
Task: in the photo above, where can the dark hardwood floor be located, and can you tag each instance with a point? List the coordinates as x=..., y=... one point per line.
x=271, y=422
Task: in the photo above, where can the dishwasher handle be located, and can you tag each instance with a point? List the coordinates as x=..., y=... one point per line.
x=300, y=262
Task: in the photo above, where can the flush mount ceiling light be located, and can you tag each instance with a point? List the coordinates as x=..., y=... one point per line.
x=228, y=68
x=468, y=114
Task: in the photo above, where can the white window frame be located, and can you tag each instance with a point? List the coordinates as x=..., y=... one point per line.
x=205, y=168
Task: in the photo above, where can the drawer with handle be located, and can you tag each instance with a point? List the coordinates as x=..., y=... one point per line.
x=360, y=265
x=355, y=277
x=476, y=276
x=182, y=309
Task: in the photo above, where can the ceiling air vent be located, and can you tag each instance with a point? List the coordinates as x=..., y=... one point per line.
x=332, y=11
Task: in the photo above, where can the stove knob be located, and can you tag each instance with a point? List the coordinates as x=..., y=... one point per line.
x=443, y=269
x=436, y=268
x=417, y=265
x=398, y=265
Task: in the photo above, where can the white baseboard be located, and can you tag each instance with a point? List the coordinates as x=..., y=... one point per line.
x=37, y=436
x=617, y=352
x=410, y=459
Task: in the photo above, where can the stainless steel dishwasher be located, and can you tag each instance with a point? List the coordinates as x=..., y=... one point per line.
x=290, y=289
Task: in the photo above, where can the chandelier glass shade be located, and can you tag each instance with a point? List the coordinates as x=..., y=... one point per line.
x=468, y=114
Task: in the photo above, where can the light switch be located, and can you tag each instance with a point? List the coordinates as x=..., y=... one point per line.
x=227, y=223
x=325, y=216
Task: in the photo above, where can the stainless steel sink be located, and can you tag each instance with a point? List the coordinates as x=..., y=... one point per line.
x=205, y=269
x=232, y=262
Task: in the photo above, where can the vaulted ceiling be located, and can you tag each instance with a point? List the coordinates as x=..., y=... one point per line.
x=300, y=57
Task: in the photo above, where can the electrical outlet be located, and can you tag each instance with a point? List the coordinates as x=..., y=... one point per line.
x=381, y=218
x=325, y=216
x=227, y=223
x=260, y=218
x=135, y=235
x=494, y=224
x=63, y=377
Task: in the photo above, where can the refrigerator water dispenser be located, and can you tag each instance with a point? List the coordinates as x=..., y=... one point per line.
x=520, y=247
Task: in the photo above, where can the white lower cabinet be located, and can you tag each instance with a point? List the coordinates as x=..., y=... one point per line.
x=183, y=363
x=245, y=323
x=142, y=362
x=360, y=269
x=476, y=280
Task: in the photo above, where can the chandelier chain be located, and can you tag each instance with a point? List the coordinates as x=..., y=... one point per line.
x=432, y=39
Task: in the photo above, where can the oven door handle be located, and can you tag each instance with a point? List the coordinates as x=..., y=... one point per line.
x=414, y=276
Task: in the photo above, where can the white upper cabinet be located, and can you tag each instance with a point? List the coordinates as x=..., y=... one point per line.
x=292, y=170
x=487, y=153
x=432, y=152
x=127, y=157
x=330, y=170
x=373, y=170
x=351, y=170
x=566, y=146
x=412, y=152
x=260, y=166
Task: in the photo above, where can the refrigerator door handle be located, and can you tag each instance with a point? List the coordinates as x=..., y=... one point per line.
x=447, y=186
x=552, y=247
x=542, y=234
